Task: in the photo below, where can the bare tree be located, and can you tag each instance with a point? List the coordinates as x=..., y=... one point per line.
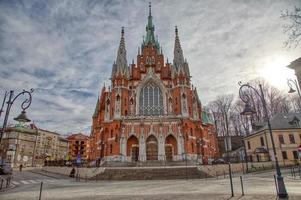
x=295, y=103
x=293, y=29
x=220, y=109
x=228, y=119
x=276, y=101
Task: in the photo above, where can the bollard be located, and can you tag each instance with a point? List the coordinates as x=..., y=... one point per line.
x=294, y=174
x=216, y=175
x=1, y=184
x=231, y=183
x=276, y=184
x=41, y=187
x=242, y=187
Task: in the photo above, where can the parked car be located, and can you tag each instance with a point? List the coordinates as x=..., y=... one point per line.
x=218, y=161
x=6, y=169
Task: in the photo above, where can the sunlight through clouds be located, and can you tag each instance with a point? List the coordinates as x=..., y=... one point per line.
x=274, y=70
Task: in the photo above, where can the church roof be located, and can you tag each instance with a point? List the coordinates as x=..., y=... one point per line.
x=281, y=121
x=205, y=118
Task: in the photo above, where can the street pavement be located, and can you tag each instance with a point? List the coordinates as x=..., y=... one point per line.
x=256, y=186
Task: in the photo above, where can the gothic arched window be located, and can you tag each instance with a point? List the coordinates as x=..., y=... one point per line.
x=150, y=100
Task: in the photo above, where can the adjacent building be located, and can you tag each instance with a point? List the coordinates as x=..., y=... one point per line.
x=151, y=111
x=31, y=146
x=50, y=146
x=286, y=132
x=20, y=142
x=79, y=146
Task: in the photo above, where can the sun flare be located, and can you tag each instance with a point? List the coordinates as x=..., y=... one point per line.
x=276, y=72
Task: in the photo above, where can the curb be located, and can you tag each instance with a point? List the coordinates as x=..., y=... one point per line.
x=48, y=174
x=12, y=186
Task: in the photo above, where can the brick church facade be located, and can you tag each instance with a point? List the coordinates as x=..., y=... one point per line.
x=151, y=111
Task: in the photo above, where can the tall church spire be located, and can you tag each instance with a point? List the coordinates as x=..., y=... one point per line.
x=121, y=67
x=150, y=31
x=179, y=62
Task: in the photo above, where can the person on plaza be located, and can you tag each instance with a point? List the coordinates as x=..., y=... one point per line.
x=72, y=172
x=20, y=167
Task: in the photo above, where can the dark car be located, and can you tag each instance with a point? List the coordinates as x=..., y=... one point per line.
x=218, y=161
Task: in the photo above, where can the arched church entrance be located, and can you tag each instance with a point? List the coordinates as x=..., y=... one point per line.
x=171, y=148
x=133, y=148
x=152, y=148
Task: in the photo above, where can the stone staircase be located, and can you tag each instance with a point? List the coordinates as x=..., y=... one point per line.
x=151, y=173
x=152, y=163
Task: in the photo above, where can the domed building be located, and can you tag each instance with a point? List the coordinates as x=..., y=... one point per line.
x=151, y=111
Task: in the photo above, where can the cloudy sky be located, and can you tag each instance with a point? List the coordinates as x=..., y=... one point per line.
x=64, y=49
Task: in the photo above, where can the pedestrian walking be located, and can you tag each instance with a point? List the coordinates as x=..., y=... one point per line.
x=20, y=168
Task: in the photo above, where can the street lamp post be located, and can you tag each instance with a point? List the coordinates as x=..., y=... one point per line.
x=21, y=118
x=290, y=83
x=249, y=111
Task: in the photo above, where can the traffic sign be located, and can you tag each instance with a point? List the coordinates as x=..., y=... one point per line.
x=78, y=159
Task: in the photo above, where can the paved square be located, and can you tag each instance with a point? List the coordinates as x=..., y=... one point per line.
x=256, y=185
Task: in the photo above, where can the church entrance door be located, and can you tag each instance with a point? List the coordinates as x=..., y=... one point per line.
x=132, y=149
x=168, y=152
x=135, y=153
x=171, y=147
x=151, y=148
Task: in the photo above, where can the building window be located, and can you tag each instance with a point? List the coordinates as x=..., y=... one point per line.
x=151, y=100
x=281, y=139
x=292, y=138
x=249, y=145
x=192, y=147
x=284, y=155
x=261, y=141
x=295, y=155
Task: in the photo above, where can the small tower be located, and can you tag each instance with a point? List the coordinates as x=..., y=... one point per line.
x=150, y=38
x=120, y=68
x=180, y=65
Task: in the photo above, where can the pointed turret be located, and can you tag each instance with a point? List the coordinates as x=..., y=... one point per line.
x=120, y=67
x=96, y=111
x=150, y=32
x=180, y=64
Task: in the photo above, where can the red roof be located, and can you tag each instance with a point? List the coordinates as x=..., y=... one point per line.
x=78, y=136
